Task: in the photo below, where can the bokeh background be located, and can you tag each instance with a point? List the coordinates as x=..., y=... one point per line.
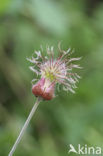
x=69, y=118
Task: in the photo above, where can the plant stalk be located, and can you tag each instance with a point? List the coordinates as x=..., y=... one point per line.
x=25, y=126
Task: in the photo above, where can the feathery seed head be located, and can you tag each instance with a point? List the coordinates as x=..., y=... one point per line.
x=52, y=71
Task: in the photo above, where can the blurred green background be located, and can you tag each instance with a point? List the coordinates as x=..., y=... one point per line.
x=67, y=119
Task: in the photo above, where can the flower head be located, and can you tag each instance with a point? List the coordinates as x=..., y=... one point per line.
x=53, y=71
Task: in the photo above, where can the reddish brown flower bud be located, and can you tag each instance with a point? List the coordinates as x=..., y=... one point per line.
x=44, y=88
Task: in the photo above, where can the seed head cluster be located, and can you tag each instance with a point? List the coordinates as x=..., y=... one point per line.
x=53, y=71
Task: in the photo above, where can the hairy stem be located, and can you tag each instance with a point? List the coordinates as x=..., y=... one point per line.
x=24, y=127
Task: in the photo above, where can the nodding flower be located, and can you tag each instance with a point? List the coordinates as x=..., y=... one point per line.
x=53, y=71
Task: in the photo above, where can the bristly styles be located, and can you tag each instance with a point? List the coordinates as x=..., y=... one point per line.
x=52, y=71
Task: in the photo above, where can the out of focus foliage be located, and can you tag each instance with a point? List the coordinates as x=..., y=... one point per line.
x=67, y=119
